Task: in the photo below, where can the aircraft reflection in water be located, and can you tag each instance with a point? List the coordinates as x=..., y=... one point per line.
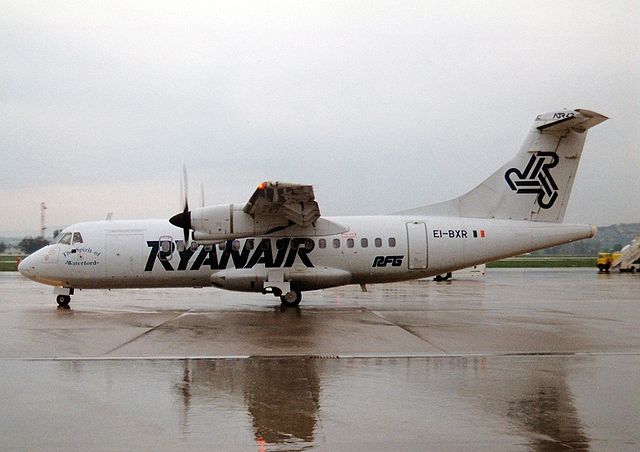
x=286, y=396
x=281, y=394
x=537, y=403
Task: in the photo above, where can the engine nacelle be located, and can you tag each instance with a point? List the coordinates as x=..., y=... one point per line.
x=229, y=221
x=243, y=280
x=257, y=279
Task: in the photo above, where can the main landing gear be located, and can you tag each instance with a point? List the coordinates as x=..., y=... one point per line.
x=291, y=299
x=277, y=286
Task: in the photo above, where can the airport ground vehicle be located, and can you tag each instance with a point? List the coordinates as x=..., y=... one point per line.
x=605, y=260
x=625, y=260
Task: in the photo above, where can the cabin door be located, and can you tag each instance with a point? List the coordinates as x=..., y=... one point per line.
x=417, y=245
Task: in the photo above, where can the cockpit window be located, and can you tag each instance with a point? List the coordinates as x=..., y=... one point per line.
x=77, y=238
x=65, y=239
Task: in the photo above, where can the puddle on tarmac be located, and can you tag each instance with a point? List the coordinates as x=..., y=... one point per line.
x=293, y=403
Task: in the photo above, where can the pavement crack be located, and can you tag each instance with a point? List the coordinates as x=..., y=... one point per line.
x=124, y=344
x=402, y=327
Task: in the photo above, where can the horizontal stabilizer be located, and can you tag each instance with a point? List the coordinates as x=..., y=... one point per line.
x=578, y=120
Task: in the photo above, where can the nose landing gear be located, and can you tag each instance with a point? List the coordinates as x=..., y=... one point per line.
x=63, y=296
x=63, y=301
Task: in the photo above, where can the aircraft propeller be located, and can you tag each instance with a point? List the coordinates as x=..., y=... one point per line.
x=183, y=219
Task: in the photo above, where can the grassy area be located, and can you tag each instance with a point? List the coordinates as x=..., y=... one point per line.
x=544, y=262
x=8, y=263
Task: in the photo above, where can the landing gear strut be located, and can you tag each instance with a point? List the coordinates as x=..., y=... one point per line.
x=291, y=298
x=63, y=301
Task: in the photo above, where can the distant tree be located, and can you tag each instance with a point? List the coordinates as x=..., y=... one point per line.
x=30, y=245
x=3, y=246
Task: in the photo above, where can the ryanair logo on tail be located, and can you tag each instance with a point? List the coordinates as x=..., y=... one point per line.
x=536, y=178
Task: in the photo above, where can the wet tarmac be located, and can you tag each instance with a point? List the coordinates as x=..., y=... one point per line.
x=518, y=360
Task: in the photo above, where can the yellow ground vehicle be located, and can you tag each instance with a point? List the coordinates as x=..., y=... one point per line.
x=605, y=260
x=627, y=260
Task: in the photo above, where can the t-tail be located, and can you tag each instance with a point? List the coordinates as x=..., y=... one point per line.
x=535, y=185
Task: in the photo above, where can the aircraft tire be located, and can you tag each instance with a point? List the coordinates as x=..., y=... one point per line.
x=443, y=277
x=63, y=301
x=291, y=299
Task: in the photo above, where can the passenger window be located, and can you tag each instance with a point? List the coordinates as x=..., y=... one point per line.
x=309, y=244
x=364, y=243
x=221, y=246
x=65, y=239
x=305, y=244
x=378, y=242
x=281, y=244
x=235, y=245
x=336, y=243
x=392, y=242
x=77, y=238
x=179, y=246
x=350, y=243
x=166, y=248
x=265, y=245
x=249, y=244
x=194, y=246
x=322, y=243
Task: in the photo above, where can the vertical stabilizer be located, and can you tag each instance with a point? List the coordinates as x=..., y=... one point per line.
x=535, y=185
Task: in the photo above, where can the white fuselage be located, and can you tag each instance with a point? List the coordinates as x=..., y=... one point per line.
x=279, y=243
x=368, y=249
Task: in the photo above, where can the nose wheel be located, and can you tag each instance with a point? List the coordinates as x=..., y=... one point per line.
x=63, y=301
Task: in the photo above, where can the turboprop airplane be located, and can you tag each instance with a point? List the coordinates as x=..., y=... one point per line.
x=279, y=243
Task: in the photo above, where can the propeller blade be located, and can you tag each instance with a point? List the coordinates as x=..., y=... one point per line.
x=185, y=181
x=185, y=229
x=183, y=219
x=181, y=199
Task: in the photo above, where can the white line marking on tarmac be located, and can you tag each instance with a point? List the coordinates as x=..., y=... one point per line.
x=336, y=356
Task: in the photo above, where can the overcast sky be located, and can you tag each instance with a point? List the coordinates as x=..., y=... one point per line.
x=382, y=106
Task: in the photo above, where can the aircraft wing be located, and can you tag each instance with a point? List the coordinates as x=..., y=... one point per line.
x=294, y=202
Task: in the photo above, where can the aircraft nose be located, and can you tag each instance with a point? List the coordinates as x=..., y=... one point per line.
x=25, y=266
